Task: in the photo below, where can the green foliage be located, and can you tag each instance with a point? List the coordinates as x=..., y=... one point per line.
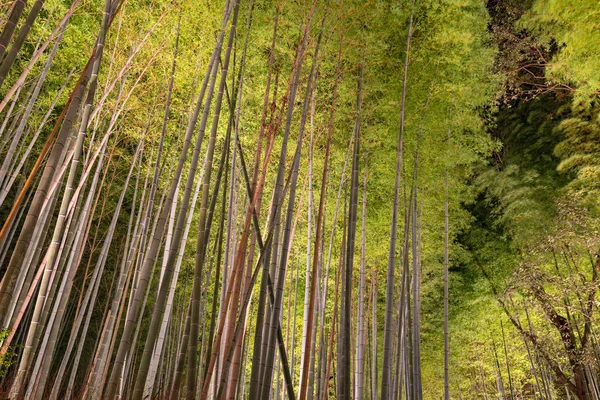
x=580, y=152
x=575, y=26
x=529, y=228
x=10, y=357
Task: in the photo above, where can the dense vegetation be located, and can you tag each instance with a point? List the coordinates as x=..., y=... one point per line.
x=300, y=199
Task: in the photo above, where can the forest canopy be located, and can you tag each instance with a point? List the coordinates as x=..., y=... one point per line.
x=312, y=199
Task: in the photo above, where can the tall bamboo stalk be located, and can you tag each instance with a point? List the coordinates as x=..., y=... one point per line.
x=313, y=275
x=345, y=362
x=11, y=56
x=10, y=25
x=386, y=377
x=446, y=316
x=361, y=336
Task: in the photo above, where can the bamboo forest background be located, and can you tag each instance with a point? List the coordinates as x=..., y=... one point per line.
x=392, y=199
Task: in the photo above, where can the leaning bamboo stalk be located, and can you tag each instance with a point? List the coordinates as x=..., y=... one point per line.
x=169, y=304
x=404, y=342
x=320, y=245
x=121, y=292
x=510, y=381
x=7, y=118
x=289, y=308
x=181, y=357
x=10, y=25
x=115, y=305
x=416, y=293
x=416, y=221
x=21, y=312
x=229, y=251
x=11, y=56
x=323, y=342
x=307, y=274
x=293, y=344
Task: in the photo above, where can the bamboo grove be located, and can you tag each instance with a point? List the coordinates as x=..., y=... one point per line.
x=268, y=199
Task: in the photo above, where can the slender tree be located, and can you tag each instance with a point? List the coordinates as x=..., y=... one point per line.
x=361, y=334
x=345, y=362
x=315, y=262
x=10, y=25
x=386, y=376
x=446, y=327
x=10, y=57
